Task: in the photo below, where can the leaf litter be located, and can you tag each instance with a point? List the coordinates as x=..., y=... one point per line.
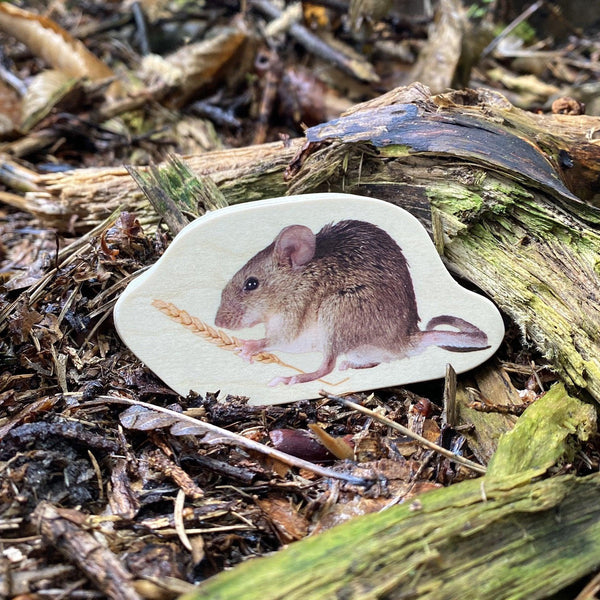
x=157, y=502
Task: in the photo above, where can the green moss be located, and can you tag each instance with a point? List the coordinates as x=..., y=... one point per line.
x=396, y=150
x=503, y=538
x=592, y=369
x=541, y=436
x=454, y=199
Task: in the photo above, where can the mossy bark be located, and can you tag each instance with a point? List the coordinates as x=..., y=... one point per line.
x=515, y=230
x=471, y=540
x=487, y=179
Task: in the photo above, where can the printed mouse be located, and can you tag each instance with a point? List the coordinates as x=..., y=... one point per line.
x=345, y=291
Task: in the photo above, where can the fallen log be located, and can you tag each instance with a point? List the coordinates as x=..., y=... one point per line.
x=498, y=187
x=82, y=198
x=466, y=541
x=495, y=537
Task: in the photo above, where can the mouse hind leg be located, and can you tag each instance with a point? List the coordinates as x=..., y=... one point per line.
x=324, y=369
x=365, y=356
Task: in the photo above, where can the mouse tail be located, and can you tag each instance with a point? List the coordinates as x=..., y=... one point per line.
x=464, y=337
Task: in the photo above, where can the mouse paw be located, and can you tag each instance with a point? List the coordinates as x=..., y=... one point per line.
x=244, y=354
x=285, y=380
x=249, y=348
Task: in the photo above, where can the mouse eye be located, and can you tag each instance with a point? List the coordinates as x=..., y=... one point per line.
x=250, y=284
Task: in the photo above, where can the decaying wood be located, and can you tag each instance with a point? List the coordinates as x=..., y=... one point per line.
x=83, y=197
x=492, y=537
x=500, y=183
x=80, y=199
x=467, y=541
x=540, y=438
x=489, y=385
x=63, y=530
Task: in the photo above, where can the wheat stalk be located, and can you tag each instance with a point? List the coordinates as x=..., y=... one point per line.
x=219, y=337
x=212, y=334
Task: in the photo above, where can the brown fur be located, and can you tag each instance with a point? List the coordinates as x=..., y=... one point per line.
x=349, y=287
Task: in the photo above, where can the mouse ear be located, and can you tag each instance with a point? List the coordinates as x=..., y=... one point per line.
x=294, y=246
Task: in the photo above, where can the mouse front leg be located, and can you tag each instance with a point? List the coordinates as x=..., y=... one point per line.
x=326, y=367
x=250, y=348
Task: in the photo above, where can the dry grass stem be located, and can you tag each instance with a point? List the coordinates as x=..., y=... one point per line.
x=408, y=432
x=212, y=334
x=218, y=336
x=237, y=439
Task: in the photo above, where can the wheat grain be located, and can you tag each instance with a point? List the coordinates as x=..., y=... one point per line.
x=212, y=334
x=219, y=337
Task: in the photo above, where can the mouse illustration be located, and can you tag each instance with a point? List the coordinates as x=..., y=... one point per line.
x=345, y=291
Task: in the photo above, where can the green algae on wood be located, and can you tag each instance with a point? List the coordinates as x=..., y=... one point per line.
x=548, y=286
x=496, y=537
x=474, y=539
x=542, y=435
x=177, y=195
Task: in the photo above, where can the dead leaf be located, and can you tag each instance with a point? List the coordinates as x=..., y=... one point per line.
x=357, y=506
x=339, y=447
x=45, y=91
x=290, y=525
x=138, y=417
x=49, y=41
x=197, y=65
x=10, y=109
x=431, y=431
x=23, y=321
x=122, y=499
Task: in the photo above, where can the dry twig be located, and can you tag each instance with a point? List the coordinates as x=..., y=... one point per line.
x=424, y=441
x=238, y=440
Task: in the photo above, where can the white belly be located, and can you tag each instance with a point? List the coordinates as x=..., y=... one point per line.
x=310, y=340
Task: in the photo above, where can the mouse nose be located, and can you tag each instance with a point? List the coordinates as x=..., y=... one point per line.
x=226, y=318
x=220, y=319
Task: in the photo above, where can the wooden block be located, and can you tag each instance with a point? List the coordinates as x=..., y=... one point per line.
x=278, y=299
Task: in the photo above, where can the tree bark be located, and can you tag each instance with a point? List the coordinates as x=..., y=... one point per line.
x=496, y=537
x=490, y=181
